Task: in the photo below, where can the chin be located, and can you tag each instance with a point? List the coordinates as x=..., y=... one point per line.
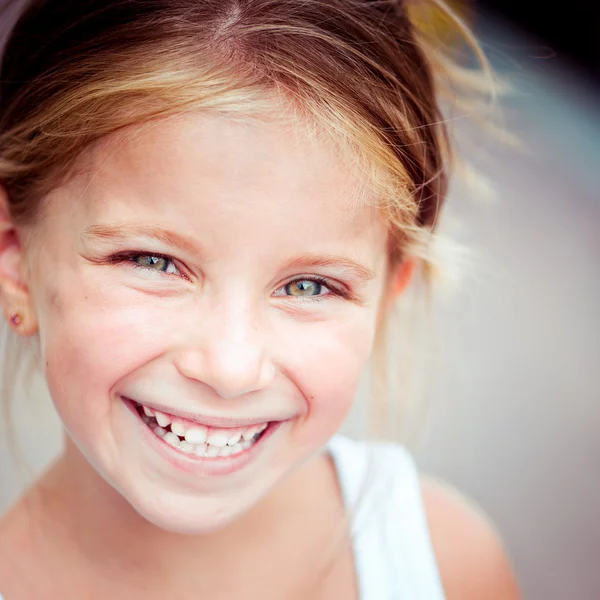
x=189, y=514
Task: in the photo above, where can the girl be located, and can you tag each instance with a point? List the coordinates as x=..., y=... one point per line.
x=208, y=210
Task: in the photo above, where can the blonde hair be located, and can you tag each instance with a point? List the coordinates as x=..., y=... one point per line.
x=367, y=73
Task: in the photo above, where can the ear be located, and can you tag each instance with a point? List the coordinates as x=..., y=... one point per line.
x=402, y=275
x=399, y=277
x=15, y=297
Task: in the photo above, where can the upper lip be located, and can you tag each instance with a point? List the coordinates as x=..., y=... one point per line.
x=209, y=420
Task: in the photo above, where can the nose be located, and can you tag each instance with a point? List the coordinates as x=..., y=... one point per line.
x=227, y=351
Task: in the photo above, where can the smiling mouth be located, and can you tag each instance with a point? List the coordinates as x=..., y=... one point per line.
x=200, y=440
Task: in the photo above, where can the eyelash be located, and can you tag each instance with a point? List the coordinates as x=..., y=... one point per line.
x=127, y=256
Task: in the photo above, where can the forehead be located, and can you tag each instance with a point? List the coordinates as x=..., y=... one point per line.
x=200, y=168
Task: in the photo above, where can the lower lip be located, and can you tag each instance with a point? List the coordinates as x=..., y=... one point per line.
x=198, y=465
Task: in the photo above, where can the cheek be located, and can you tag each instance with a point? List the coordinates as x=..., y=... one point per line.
x=328, y=371
x=89, y=341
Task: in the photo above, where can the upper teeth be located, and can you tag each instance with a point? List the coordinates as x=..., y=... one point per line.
x=196, y=434
x=162, y=419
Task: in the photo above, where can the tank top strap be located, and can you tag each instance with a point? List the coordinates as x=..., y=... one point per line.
x=393, y=554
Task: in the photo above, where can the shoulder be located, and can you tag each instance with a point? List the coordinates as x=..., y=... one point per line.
x=16, y=551
x=470, y=555
x=11, y=541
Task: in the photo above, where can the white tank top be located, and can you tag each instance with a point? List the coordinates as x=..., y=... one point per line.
x=393, y=554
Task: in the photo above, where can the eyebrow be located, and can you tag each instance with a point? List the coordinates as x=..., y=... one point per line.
x=332, y=260
x=124, y=230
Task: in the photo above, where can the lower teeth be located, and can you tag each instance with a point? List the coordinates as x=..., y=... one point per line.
x=202, y=450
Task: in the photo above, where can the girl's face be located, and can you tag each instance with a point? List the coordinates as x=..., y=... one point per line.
x=225, y=274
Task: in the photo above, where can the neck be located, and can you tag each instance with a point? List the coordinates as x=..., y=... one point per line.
x=107, y=537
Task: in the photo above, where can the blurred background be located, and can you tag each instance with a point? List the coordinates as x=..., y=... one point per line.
x=571, y=30
x=515, y=412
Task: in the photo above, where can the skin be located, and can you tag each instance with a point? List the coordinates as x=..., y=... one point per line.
x=214, y=330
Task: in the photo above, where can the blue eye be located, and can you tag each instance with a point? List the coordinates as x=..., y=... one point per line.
x=304, y=287
x=313, y=288
x=159, y=263
x=152, y=261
